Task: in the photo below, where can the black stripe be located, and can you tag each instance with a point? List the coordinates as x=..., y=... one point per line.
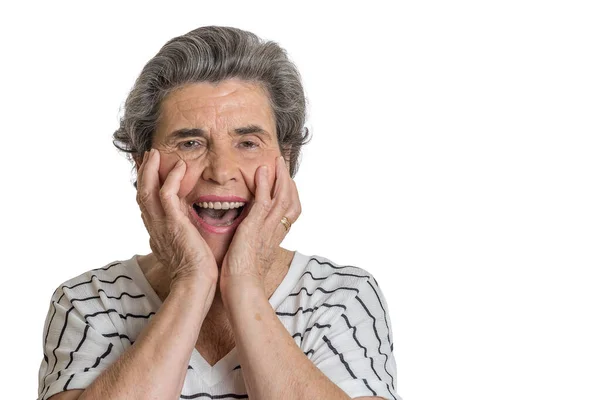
x=110, y=297
x=90, y=281
x=59, y=340
x=117, y=334
x=120, y=315
x=48, y=331
x=369, y=387
x=85, y=317
x=85, y=299
x=309, y=309
x=107, y=352
x=74, y=300
x=78, y=346
x=330, y=264
x=237, y=367
x=378, y=339
x=375, y=281
x=320, y=289
x=133, y=296
x=365, y=352
x=316, y=325
x=360, y=345
x=333, y=273
x=107, y=268
x=216, y=396
x=68, y=381
x=384, y=313
x=86, y=369
x=340, y=356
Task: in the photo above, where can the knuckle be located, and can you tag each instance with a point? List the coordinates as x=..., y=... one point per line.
x=143, y=196
x=164, y=195
x=265, y=205
x=285, y=204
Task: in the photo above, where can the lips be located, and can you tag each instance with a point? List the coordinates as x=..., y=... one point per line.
x=219, y=214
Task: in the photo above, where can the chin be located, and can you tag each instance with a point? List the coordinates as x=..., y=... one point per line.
x=219, y=246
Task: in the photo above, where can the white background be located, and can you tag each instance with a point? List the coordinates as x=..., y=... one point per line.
x=455, y=156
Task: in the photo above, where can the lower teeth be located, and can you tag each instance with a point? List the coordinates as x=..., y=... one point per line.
x=225, y=224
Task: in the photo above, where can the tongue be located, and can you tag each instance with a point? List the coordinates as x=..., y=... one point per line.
x=217, y=217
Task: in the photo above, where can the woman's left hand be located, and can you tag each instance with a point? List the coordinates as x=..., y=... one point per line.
x=256, y=241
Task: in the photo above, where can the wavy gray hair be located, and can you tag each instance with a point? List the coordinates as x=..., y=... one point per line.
x=213, y=54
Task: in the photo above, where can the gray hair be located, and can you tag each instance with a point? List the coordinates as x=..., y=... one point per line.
x=212, y=54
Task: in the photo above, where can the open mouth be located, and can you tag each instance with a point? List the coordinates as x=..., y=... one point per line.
x=219, y=213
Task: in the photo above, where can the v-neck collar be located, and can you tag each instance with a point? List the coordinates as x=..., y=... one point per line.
x=216, y=373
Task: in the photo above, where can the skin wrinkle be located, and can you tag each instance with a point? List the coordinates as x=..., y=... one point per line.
x=225, y=169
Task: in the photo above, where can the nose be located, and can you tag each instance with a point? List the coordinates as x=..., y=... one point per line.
x=221, y=167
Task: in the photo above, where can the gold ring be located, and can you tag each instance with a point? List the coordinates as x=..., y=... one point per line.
x=286, y=223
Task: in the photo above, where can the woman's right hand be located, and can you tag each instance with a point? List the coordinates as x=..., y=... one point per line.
x=174, y=240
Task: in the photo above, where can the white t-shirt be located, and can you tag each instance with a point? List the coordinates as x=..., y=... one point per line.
x=336, y=314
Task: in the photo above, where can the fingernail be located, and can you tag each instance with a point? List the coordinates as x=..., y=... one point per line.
x=179, y=163
x=263, y=170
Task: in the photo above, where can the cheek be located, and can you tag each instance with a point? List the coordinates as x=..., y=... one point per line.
x=187, y=182
x=249, y=170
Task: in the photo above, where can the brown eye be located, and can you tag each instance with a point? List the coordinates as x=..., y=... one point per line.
x=248, y=144
x=190, y=145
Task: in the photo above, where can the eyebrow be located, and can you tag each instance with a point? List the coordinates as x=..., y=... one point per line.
x=246, y=130
x=186, y=133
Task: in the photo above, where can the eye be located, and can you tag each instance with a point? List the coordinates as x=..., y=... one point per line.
x=248, y=144
x=189, y=145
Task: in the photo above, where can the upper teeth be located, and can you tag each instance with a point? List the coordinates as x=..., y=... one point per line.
x=220, y=205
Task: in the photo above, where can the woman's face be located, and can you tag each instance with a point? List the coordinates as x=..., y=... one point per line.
x=223, y=132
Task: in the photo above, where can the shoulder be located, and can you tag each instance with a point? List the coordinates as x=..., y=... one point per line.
x=111, y=295
x=109, y=301
x=326, y=275
x=324, y=289
x=333, y=300
x=115, y=275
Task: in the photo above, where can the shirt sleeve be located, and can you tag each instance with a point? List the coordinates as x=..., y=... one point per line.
x=75, y=353
x=357, y=352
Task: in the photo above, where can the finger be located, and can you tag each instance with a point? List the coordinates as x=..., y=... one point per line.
x=296, y=204
x=140, y=170
x=262, y=198
x=148, y=186
x=278, y=175
x=284, y=203
x=281, y=198
x=283, y=174
x=169, y=192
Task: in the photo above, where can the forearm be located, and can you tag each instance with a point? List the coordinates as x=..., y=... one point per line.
x=274, y=366
x=156, y=365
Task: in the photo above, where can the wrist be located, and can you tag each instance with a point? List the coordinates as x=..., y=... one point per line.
x=239, y=289
x=192, y=283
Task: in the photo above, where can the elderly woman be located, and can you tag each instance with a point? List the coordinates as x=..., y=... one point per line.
x=215, y=124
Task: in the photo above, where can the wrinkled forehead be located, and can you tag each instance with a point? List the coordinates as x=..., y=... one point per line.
x=216, y=106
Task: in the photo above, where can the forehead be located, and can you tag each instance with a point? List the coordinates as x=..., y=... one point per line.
x=213, y=106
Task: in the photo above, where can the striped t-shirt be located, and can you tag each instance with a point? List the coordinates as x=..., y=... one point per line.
x=336, y=314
